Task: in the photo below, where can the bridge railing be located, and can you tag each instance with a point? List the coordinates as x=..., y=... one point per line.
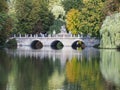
x=53, y=36
x=43, y=36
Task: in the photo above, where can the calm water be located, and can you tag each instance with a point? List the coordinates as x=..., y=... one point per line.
x=66, y=69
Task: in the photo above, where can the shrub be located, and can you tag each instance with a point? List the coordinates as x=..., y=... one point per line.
x=12, y=43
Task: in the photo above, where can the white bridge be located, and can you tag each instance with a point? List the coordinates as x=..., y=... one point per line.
x=51, y=40
x=67, y=39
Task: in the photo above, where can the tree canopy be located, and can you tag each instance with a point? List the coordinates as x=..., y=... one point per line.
x=5, y=22
x=33, y=17
x=87, y=20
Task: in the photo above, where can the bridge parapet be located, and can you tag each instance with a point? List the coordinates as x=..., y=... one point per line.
x=27, y=39
x=39, y=35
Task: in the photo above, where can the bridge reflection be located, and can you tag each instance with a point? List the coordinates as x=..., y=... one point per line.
x=43, y=67
x=67, y=53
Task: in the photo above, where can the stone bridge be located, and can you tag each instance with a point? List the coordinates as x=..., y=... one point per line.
x=66, y=40
x=63, y=39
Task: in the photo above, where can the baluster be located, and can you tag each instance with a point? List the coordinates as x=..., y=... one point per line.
x=14, y=35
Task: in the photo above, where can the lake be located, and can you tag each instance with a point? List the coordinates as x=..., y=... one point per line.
x=66, y=69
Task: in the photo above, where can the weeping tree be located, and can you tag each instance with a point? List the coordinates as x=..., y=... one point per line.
x=110, y=32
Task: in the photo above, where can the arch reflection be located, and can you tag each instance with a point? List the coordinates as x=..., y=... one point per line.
x=57, y=45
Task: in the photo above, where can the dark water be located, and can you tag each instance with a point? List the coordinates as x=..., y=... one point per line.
x=66, y=69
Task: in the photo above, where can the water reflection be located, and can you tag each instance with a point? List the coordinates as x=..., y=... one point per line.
x=47, y=69
x=110, y=67
x=85, y=74
x=4, y=69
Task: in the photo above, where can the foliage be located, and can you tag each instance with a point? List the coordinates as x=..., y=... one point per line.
x=73, y=21
x=3, y=6
x=56, y=26
x=91, y=17
x=46, y=19
x=5, y=27
x=70, y=4
x=53, y=3
x=58, y=12
x=23, y=10
x=111, y=6
x=12, y=43
x=5, y=22
x=87, y=20
x=110, y=32
x=33, y=17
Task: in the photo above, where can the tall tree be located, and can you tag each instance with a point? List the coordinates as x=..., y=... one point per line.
x=70, y=4
x=88, y=20
x=33, y=16
x=45, y=19
x=91, y=17
x=23, y=10
x=5, y=22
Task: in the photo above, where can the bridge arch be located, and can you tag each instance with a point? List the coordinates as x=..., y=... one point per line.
x=36, y=44
x=78, y=44
x=57, y=44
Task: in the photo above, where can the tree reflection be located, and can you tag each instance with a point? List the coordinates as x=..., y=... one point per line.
x=73, y=70
x=80, y=72
x=84, y=74
x=5, y=66
x=110, y=68
x=30, y=73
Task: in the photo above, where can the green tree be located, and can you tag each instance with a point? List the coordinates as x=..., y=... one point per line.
x=5, y=27
x=45, y=19
x=24, y=22
x=5, y=22
x=88, y=20
x=91, y=17
x=3, y=6
x=70, y=4
x=33, y=16
x=56, y=26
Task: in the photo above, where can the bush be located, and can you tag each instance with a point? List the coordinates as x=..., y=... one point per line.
x=12, y=43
